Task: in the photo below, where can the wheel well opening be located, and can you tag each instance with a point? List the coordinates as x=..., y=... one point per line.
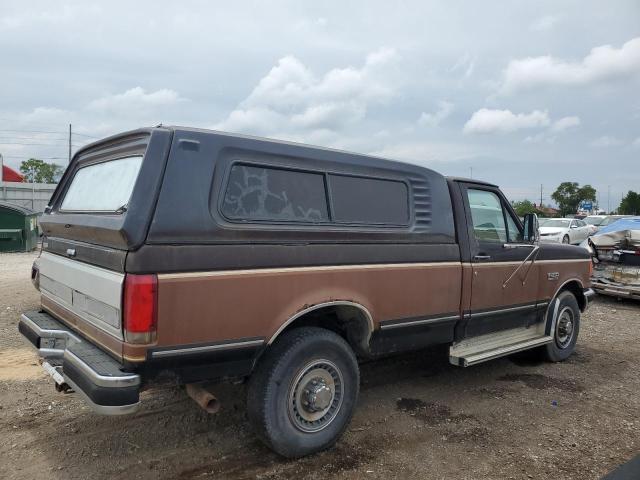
x=575, y=288
x=349, y=321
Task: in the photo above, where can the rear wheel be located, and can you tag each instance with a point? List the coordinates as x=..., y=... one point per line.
x=565, y=329
x=303, y=394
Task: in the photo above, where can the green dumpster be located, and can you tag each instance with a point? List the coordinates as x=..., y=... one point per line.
x=18, y=228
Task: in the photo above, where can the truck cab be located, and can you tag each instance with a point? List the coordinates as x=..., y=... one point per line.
x=204, y=256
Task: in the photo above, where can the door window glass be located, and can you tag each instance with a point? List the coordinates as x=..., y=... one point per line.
x=515, y=235
x=487, y=216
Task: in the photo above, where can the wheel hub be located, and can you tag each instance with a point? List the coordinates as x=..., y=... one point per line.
x=315, y=396
x=564, y=328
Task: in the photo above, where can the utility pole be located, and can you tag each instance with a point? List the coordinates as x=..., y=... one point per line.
x=470, y=172
x=608, y=199
x=540, y=195
x=69, y=143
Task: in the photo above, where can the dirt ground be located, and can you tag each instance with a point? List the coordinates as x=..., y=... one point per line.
x=418, y=416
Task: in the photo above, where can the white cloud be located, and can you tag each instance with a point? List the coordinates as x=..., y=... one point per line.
x=136, y=98
x=565, y=123
x=606, y=141
x=602, y=63
x=487, y=120
x=544, y=23
x=636, y=142
x=290, y=98
x=433, y=119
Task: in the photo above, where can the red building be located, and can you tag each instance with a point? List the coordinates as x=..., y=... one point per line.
x=10, y=175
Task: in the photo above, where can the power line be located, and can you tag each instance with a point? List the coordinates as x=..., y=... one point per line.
x=49, y=132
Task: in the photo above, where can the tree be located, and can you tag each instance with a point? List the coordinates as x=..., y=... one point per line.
x=523, y=207
x=38, y=171
x=568, y=196
x=630, y=204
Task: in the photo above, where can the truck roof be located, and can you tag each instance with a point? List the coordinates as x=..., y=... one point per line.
x=380, y=161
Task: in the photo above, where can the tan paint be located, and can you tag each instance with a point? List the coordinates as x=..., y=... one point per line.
x=215, y=306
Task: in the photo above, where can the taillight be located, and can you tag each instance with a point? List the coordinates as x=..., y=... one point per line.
x=140, y=308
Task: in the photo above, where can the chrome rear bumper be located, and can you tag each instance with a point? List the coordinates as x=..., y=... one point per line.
x=87, y=369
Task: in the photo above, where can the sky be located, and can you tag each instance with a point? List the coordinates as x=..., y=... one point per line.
x=521, y=94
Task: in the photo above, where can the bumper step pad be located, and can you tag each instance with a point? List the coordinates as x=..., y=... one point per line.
x=87, y=369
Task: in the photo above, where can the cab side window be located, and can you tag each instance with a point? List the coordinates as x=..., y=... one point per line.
x=515, y=234
x=487, y=216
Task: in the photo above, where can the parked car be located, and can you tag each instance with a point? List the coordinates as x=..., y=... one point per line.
x=564, y=230
x=203, y=256
x=616, y=250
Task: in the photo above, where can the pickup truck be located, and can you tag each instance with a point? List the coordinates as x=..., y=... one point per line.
x=203, y=256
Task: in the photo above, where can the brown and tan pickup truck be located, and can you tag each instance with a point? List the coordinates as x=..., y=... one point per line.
x=202, y=256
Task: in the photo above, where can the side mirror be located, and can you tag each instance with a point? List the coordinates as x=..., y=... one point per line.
x=574, y=226
x=531, y=232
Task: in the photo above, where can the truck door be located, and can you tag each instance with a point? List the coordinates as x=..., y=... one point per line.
x=504, y=283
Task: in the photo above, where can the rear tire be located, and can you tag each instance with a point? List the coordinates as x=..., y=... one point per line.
x=304, y=391
x=565, y=329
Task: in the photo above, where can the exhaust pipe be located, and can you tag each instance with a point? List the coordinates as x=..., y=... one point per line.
x=207, y=401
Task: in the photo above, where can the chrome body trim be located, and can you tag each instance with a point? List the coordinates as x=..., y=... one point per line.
x=320, y=268
x=425, y=321
x=205, y=348
x=360, y=307
x=504, y=310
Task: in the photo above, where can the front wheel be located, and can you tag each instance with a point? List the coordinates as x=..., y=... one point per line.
x=565, y=329
x=303, y=394
x=566, y=240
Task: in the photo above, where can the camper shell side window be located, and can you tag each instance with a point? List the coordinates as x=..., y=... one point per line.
x=272, y=194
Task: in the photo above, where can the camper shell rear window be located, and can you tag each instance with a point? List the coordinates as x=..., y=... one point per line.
x=102, y=187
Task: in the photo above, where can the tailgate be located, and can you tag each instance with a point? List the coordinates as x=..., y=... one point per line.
x=92, y=293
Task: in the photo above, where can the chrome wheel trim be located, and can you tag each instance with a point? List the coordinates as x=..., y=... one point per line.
x=565, y=328
x=315, y=396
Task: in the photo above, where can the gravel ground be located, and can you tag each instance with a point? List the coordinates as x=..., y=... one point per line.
x=418, y=416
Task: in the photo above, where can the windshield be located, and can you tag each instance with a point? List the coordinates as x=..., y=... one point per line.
x=594, y=220
x=102, y=187
x=557, y=223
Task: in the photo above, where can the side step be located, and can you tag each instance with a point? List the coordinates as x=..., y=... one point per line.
x=487, y=347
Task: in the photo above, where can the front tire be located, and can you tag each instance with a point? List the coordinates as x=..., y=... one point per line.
x=303, y=393
x=566, y=240
x=565, y=329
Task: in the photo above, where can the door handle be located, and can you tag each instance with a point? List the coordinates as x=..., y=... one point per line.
x=482, y=257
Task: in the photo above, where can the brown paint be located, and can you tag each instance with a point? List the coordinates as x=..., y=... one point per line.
x=208, y=307
x=200, y=308
x=567, y=270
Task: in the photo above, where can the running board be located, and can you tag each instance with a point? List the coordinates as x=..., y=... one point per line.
x=487, y=347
